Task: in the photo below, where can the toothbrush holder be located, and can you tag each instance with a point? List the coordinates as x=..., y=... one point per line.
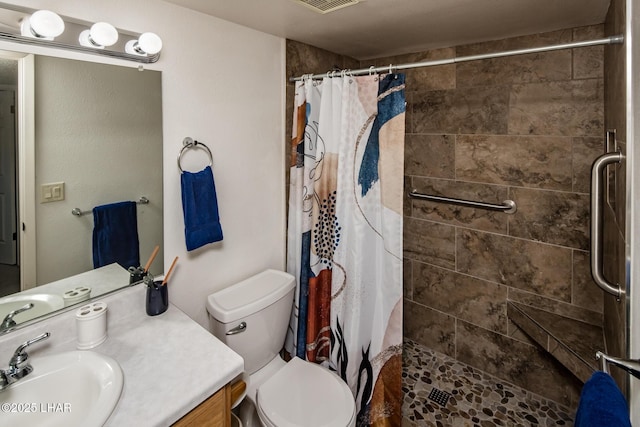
x=157, y=300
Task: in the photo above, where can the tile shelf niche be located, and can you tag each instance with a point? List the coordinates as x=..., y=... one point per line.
x=572, y=342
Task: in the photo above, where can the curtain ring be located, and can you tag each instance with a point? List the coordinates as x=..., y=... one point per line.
x=390, y=70
x=371, y=70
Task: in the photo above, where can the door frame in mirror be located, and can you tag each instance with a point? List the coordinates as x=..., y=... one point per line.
x=26, y=167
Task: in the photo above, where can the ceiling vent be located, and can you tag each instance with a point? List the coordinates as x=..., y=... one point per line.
x=326, y=6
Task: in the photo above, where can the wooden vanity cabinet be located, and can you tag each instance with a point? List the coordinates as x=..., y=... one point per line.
x=216, y=410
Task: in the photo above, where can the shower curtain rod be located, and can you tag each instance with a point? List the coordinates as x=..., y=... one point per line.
x=391, y=68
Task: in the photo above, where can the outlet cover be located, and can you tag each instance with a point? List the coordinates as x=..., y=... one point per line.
x=52, y=192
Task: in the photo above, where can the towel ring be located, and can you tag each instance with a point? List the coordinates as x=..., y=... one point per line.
x=189, y=142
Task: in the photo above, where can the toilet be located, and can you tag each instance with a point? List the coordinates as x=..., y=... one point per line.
x=252, y=317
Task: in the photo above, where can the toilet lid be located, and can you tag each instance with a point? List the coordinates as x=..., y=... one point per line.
x=306, y=394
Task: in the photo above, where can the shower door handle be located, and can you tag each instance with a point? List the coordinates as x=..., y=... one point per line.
x=599, y=166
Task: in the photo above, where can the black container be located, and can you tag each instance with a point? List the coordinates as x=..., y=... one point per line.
x=157, y=298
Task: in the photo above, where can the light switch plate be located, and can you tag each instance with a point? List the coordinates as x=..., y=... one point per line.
x=52, y=192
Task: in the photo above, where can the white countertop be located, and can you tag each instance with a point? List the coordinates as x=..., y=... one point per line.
x=170, y=363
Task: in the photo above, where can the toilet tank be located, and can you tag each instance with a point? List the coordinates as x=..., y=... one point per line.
x=264, y=303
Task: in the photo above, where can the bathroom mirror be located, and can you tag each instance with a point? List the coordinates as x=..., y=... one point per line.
x=97, y=139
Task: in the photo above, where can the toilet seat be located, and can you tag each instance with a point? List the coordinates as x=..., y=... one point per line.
x=305, y=394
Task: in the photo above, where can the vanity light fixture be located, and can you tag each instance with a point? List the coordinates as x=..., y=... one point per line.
x=100, y=35
x=146, y=44
x=43, y=25
x=48, y=29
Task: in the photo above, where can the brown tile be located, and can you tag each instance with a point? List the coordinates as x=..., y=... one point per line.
x=539, y=336
x=471, y=110
x=538, y=162
x=425, y=78
x=304, y=59
x=535, y=267
x=406, y=203
x=429, y=155
x=588, y=62
x=586, y=293
x=514, y=43
x=573, y=108
x=615, y=93
x=530, y=68
x=571, y=342
x=551, y=217
x=474, y=300
x=515, y=362
x=430, y=328
x=581, y=370
x=408, y=119
x=478, y=219
x=429, y=242
x=515, y=332
x=585, y=150
x=557, y=307
x=407, y=281
x=613, y=248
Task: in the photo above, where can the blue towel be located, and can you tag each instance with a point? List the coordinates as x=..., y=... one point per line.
x=115, y=235
x=602, y=404
x=200, y=208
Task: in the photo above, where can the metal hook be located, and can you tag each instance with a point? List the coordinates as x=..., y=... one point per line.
x=371, y=70
x=390, y=69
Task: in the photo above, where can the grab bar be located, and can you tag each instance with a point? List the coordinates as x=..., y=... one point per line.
x=598, y=167
x=78, y=212
x=632, y=366
x=508, y=206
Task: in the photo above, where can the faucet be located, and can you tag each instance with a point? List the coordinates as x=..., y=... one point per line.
x=18, y=366
x=8, y=321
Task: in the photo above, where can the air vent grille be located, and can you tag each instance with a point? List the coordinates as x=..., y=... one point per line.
x=326, y=6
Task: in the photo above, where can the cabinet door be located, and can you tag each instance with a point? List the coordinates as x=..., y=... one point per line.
x=213, y=412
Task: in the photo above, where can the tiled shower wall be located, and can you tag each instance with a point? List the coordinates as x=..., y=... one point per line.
x=614, y=229
x=525, y=128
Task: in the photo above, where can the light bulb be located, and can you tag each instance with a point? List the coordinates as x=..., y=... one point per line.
x=42, y=24
x=100, y=35
x=147, y=44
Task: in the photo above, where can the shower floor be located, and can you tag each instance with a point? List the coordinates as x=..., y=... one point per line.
x=476, y=398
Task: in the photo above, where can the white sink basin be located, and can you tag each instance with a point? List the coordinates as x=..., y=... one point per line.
x=76, y=388
x=42, y=304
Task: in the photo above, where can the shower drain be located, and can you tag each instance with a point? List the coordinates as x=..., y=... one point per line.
x=439, y=396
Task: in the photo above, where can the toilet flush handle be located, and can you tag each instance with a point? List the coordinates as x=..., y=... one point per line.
x=240, y=328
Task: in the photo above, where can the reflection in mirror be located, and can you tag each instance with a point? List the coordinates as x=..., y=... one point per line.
x=97, y=141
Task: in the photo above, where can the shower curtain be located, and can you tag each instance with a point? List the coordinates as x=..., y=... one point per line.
x=345, y=236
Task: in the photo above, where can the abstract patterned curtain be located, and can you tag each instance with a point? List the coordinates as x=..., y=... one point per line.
x=345, y=236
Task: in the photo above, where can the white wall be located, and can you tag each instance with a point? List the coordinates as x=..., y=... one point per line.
x=222, y=84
